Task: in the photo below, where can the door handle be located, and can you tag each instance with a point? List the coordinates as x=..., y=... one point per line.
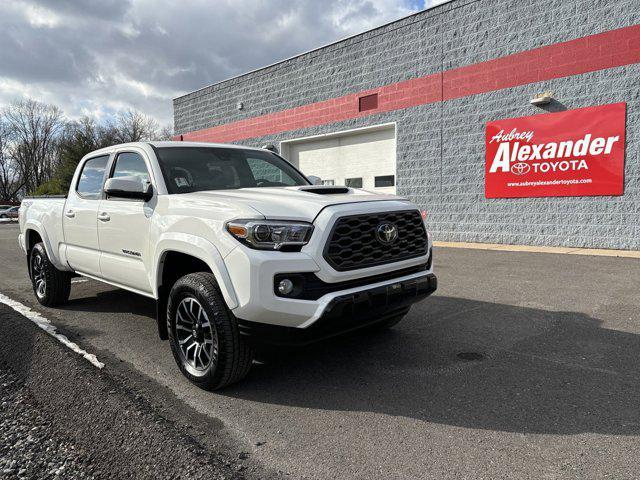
x=70, y=214
x=104, y=216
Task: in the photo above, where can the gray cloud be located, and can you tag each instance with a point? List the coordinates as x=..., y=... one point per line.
x=100, y=57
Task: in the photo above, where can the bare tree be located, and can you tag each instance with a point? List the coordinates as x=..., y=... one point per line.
x=77, y=139
x=166, y=133
x=10, y=181
x=134, y=126
x=35, y=127
x=39, y=149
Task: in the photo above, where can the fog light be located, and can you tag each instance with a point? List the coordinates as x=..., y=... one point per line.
x=285, y=287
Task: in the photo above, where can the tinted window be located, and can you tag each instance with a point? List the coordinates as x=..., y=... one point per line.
x=92, y=177
x=195, y=169
x=353, y=182
x=385, y=181
x=130, y=164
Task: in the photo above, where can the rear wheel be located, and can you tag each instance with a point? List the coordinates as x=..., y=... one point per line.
x=203, y=334
x=51, y=286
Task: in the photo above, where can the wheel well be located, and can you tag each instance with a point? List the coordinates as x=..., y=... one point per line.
x=173, y=265
x=33, y=237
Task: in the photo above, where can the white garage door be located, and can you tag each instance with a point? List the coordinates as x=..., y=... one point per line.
x=362, y=158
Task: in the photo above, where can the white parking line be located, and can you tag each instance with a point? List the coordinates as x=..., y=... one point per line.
x=48, y=327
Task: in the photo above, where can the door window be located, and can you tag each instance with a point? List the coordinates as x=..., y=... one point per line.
x=92, y=178
x=131, y=165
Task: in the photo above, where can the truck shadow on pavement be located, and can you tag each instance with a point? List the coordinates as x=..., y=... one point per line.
x=543, y=371
x=114, y=301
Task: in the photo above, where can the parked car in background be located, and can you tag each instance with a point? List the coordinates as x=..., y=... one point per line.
x=236, y=246
x=11, y=212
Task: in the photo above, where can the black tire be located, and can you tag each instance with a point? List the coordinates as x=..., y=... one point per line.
x=196, y=302
x=50, y=285
x=3, y=216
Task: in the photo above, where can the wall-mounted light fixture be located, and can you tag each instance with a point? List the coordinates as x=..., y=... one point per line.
x=542, y=99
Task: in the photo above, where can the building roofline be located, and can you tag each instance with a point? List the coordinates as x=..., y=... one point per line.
x=313, y=50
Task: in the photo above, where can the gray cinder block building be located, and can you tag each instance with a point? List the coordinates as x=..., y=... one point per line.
x=405, y=108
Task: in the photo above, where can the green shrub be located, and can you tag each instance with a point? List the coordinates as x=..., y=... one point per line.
x=52, y=187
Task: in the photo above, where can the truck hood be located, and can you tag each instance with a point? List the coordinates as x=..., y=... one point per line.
x=291, y=203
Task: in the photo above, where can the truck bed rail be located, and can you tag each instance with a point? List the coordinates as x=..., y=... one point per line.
x=34, y=197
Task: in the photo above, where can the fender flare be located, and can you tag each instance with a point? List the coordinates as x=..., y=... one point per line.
x=37, y=227
x=197, y=247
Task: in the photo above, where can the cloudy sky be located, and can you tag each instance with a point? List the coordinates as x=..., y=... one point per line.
x=97, y=57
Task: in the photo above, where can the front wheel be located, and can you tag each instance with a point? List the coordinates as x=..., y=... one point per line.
x=51, y=286
x=203, y=334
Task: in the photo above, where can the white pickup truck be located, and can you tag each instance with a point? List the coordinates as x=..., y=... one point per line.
x=236, y=246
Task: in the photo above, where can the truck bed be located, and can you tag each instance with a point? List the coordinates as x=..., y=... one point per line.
x=44, y=213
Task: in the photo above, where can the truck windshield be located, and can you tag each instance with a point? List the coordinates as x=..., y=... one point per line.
x=196, y=169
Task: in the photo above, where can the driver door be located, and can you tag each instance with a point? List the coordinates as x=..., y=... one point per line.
x=123, y=228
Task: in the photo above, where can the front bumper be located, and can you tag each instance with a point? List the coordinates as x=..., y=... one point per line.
x=252, y=274
x=346, y=312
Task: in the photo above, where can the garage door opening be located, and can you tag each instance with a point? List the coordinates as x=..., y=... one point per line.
x=363, y=158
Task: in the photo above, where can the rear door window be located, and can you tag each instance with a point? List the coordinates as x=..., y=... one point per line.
x=91, y=178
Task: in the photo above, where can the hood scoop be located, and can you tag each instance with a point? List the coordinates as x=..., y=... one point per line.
x=323, y=190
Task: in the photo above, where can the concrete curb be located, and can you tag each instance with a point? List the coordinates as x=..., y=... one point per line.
x=539, y=249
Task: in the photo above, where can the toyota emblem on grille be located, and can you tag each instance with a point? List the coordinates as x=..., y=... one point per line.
x=387, y=233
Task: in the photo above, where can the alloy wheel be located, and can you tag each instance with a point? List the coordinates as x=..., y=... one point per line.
x=196, y=336
x=39, y=276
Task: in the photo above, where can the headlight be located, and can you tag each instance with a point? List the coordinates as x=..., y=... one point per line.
x=271, y=234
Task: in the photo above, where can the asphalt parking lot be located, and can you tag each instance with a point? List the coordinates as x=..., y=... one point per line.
x=556, y=393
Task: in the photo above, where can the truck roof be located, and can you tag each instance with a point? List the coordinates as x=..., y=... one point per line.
x=200, y=144
x=163, y=144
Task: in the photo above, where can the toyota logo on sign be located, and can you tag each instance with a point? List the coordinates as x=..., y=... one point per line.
x=520, y=168
x=387, y=233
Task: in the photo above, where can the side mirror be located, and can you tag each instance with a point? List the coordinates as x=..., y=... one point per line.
x=128, y=187
x=271, y=147
x=315, y=180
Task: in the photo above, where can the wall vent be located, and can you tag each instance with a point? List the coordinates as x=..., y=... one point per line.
x=368, y=102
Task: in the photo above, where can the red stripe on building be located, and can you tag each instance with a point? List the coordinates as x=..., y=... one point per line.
x=595, y=52
x=589, y=54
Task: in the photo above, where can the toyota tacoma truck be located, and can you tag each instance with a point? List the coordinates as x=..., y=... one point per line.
x=236, y=246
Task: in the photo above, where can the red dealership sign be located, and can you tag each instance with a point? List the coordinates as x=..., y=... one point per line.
x=573, y=153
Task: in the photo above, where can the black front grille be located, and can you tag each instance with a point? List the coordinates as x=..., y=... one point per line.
x=353, y=242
